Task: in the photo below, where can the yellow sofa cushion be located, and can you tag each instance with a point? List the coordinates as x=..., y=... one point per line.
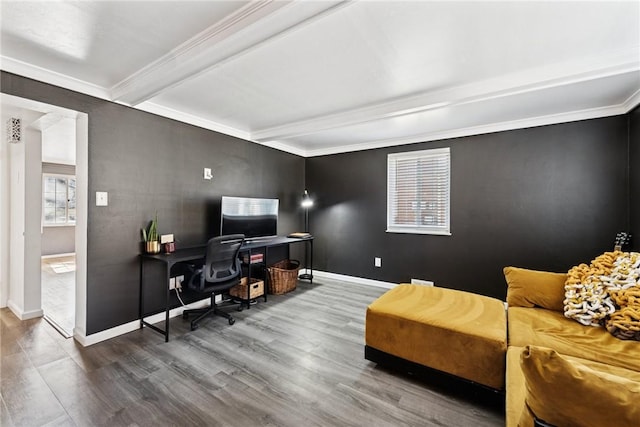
x=546, y=328
x=532, y=288
x=517, y=413
x=568, y=393
x=457, y=332
x=516, y=391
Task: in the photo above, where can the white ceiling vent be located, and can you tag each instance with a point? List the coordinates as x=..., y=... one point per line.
x=14, y=130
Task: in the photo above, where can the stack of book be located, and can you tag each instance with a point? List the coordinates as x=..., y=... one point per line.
x=253, y=259
x=300, y=235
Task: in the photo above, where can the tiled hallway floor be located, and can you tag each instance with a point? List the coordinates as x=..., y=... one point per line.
x=58, y=292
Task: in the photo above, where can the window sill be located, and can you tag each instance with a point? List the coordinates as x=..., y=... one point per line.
x=418, y=231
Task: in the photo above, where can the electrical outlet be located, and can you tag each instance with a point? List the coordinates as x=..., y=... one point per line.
x=377, y=262
x=102, y=198
x=172, y=283
x=421, y=282
x=179, y=281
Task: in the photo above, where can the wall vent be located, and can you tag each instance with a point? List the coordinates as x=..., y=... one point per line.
x=14, y=130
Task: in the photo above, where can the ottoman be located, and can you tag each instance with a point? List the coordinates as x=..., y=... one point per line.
x=456, y=332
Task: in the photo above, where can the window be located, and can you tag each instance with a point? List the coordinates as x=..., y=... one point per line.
x=418, y=192
x=58, y=200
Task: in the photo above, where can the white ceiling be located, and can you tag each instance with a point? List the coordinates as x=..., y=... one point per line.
x=320, y=77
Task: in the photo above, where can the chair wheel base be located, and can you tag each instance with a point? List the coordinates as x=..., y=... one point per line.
x=232, y=321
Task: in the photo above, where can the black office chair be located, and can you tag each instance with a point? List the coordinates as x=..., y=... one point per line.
x=221, y=271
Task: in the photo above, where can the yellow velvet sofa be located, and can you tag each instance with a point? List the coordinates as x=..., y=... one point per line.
x=553, y=370
x=559, y=371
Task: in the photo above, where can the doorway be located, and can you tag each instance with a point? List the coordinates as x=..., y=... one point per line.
x=29, y=282
x=58, y=136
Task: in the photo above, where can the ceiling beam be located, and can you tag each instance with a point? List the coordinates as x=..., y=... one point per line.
x=236, y=35
x=616, y=63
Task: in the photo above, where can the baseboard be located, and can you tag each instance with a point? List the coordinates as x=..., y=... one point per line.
x=354, y=279
x=24, y=315
x=87, y=340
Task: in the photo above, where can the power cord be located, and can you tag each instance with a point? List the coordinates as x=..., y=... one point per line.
x=178, y=290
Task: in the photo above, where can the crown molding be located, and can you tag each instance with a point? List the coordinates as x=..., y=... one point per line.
x=218, y=44
x=180, y=116
x=530, y=122
x=14, y=66
x=283, y=146
x=191, y=119
x=632, y=102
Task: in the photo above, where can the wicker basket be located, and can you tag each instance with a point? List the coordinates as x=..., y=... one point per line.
x=283, y=276
x=240, y=290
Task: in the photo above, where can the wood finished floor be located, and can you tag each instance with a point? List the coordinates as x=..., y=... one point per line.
x=296, y=360
x=58, y=280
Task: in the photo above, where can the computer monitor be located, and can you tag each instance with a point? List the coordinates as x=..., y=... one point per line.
x=253, y=217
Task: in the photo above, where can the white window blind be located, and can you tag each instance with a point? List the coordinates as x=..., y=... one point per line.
x=418, y=192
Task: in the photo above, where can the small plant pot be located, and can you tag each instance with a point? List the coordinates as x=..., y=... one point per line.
x=152, y=247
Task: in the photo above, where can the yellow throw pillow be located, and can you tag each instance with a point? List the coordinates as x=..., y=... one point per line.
x=532, y=288
x=568, y=393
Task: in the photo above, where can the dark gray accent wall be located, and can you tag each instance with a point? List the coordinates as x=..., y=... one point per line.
x=151, y=164
x=541, y=198
x=634, y=177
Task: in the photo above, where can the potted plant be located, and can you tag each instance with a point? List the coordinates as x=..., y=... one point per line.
x=150, y=237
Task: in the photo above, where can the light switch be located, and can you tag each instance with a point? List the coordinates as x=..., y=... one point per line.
x=102, y=198
x=207, y=173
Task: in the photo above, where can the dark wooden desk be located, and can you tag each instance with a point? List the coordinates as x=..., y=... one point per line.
x=197, y=255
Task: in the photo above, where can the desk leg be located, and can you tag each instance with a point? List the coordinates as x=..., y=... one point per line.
x=167, y=308
x=265, y=275
x=141, y=307
x=248, y=300
x=311, y=259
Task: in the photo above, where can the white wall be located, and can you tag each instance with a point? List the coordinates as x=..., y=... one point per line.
x=15, y=250
x=25, y=224
x=60, y=142
x=12, y=204
x=82, y=213
x=33, y=225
